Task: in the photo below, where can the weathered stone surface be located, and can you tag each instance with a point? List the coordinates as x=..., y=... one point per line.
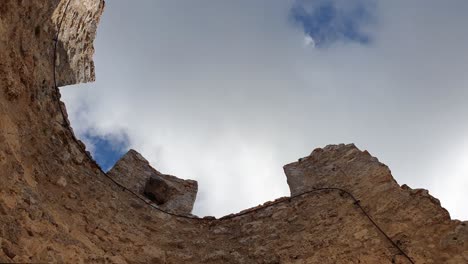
x=75, y=50
x=132, y=170
x=400, y=210
x=168, y=192
x=91, y=220
x=171, y=193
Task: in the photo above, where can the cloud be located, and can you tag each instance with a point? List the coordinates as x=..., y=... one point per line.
x=309, y=41
x=226, y=93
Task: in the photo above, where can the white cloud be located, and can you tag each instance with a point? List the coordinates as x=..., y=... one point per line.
x=309, y=41
x=225, y=93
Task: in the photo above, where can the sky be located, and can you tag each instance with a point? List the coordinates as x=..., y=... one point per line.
x=227, y=92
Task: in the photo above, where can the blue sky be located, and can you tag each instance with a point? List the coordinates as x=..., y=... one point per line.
x=326, y=22
x=106, y=151
x=227, y=92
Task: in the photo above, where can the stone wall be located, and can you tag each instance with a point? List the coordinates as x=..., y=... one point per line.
x=56, y=205
x=408, y=216
x=167, y=192
x=77, y=21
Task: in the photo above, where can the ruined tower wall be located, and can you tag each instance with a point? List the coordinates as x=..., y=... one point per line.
x=56, y=205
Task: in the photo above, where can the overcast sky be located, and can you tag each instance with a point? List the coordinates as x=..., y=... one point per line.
x=227, y=92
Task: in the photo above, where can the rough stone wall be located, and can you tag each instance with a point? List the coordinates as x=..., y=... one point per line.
x=408, y=216
x=168, y=192
x=77, y=21
x=57, y=206
x=132, y=170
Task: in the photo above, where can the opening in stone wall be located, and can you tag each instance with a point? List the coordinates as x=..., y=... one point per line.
x=226, y=94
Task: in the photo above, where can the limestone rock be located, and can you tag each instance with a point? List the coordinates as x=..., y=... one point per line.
x=168, y=192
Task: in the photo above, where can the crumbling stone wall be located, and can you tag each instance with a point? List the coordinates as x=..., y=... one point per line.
x=56, y=205
x=408, y=216
x=168, y=192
